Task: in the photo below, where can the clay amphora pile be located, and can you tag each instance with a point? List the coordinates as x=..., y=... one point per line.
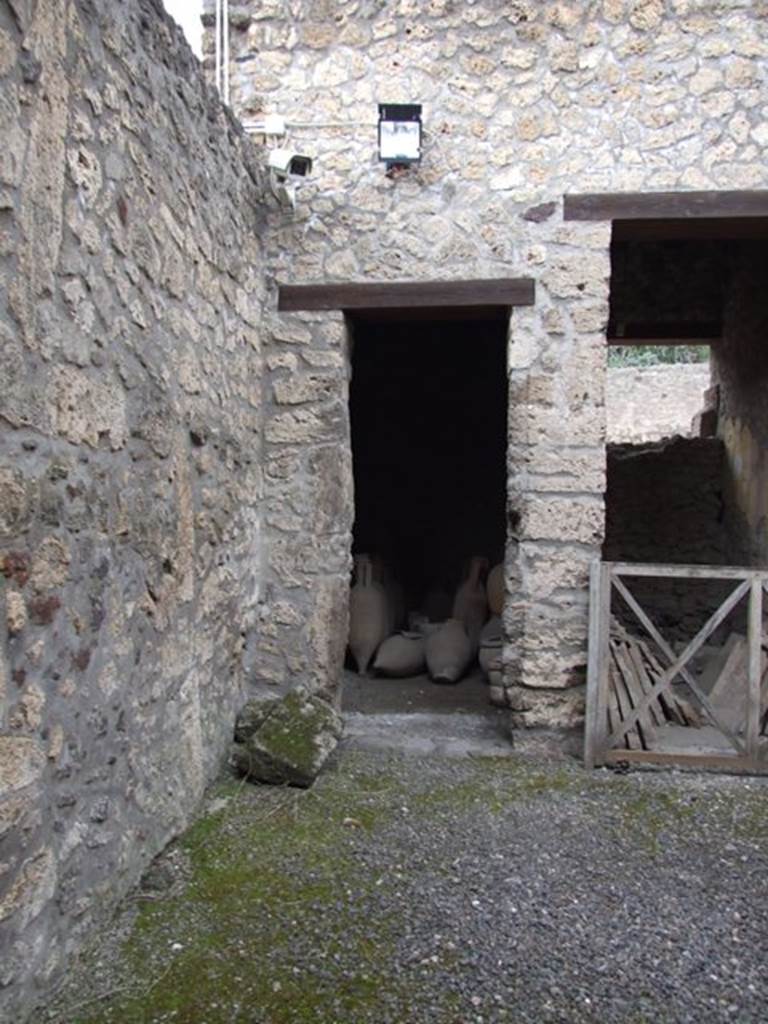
x=444, y=638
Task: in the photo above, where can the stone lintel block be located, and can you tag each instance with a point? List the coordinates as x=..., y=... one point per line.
x=555, y=518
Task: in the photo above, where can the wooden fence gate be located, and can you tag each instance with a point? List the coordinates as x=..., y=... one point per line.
x=647, y=704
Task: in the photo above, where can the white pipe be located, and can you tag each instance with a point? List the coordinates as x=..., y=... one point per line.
x=225, y=69
x=217, y=74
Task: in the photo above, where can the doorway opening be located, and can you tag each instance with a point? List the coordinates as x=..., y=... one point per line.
x=683, y=516
x=428, y=413
x=688, y=286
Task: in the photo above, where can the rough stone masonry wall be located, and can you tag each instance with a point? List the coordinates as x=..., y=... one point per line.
x=130, y=405
x=523, y=101
x=665, y=503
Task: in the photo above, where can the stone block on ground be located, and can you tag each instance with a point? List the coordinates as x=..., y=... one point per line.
x=292, y=742
x=252, y=716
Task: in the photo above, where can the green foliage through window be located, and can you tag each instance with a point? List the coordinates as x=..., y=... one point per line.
x=653, y=355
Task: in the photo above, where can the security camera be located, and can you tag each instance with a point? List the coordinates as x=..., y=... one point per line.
x=286, y=163
x=285, y=169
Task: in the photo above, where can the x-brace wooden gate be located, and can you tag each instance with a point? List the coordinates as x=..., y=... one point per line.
x=606, y=733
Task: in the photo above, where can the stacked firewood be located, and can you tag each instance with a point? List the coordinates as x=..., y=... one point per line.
x=633, y=671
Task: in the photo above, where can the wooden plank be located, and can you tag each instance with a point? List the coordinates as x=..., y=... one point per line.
x=670, y=654
x=644, y=682
x=603, y=660
x=686, y=710
x=688, y=572
x=714, y=666
x=668, y=700
x=754, y=638
x=351, y=295
x=661, y=205
x=681, y=661
x=594, y=654
x=734, y=661
x=667, y=703
x=730, y=763
x=635, y=693
x=613, y=707
x=411, y=314
x=677, y=332
x=632, y=737
x=612, y=710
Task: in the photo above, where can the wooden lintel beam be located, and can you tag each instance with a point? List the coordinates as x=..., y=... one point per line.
x=660, y=333
x=596, y=206
x=518, y=291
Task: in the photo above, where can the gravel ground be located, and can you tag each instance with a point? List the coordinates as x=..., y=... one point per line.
x=460, y=891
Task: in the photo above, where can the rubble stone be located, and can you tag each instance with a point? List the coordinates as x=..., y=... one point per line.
x=291, y=743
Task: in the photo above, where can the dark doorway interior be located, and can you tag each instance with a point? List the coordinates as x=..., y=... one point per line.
x=429, y=426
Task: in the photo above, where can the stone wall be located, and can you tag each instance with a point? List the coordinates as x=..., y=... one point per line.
x=130, y=447
x=522, y=102
x=665, y=503
x=647, y=403
x=740, y=367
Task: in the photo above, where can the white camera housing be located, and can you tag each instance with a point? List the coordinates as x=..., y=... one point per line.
x=288, y=163
x=286, y=168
